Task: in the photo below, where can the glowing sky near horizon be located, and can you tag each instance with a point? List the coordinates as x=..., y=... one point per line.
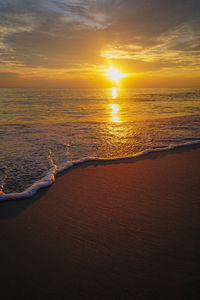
x=60, y=43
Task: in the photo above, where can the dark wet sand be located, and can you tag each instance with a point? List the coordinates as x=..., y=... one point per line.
x=124, y=230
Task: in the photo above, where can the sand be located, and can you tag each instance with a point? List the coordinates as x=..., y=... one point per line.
x=123, y=230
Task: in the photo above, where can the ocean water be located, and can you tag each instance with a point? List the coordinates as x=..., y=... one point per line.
x=44, y=131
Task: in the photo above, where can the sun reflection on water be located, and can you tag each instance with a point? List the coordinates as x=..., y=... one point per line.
x=115, y=107
x=114, y=93
x=114, y=112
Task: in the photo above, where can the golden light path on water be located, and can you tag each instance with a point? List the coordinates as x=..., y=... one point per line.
x=114, y=93
x=115, y=107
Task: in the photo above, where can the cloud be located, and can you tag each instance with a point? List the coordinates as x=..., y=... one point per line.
x=142, y=35
x=38, y=35
x=155, y=31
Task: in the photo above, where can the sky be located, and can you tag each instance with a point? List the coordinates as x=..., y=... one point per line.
x=71, y=43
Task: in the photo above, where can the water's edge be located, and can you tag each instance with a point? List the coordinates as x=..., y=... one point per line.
x=50, y=177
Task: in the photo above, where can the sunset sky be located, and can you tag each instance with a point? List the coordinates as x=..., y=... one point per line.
x=72, y=43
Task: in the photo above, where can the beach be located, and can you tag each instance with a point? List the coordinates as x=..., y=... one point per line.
x=127, y=229
x=99, y=150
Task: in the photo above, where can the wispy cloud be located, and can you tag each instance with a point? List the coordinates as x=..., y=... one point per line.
x=141, y=35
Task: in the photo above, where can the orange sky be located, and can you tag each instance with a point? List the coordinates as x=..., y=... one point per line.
x=69, y=43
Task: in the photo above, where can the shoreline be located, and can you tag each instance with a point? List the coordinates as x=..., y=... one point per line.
x=121, y=230
x=51, y=176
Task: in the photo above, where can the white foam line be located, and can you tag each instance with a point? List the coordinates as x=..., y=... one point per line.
x=50, y=177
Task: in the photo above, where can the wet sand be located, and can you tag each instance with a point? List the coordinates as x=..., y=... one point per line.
x=123, y=230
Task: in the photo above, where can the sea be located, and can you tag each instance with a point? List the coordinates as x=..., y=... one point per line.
x=46, y=131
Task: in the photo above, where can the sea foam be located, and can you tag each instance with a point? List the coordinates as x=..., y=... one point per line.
x=48, y=180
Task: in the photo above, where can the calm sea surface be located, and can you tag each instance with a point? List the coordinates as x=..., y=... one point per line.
x=44, y=131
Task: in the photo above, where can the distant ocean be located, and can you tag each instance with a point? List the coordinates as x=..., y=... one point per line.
x=44, y=131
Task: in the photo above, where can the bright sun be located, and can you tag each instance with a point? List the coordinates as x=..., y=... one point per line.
x=114, y=75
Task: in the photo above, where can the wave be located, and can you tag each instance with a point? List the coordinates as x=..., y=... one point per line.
x=48, y=180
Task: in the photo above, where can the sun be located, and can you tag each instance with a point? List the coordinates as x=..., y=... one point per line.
x=114, y=74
